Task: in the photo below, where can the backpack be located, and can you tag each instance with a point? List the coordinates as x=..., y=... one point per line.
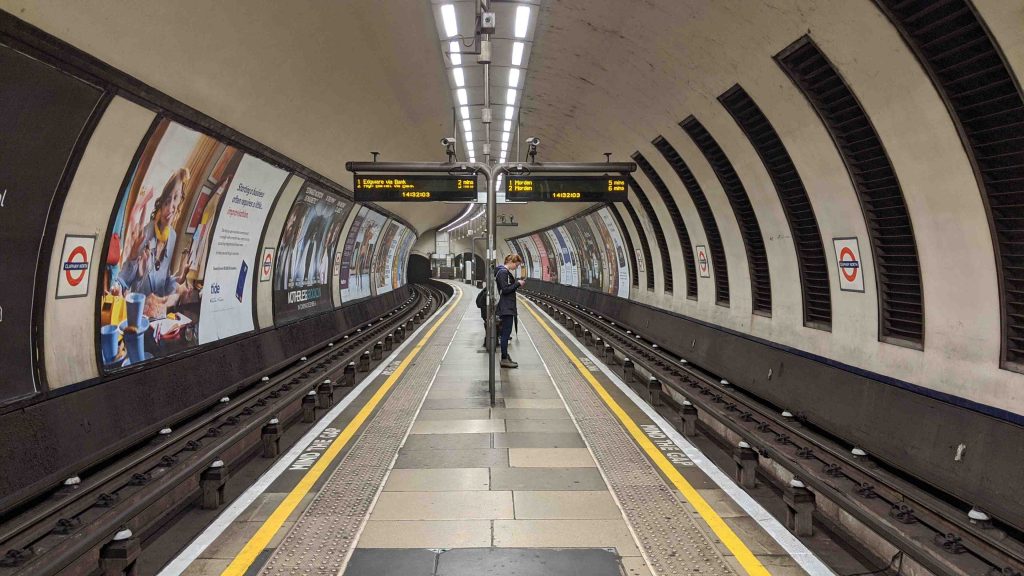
x=481, y=299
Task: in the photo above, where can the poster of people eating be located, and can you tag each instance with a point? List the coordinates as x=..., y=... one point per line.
x=181, y=250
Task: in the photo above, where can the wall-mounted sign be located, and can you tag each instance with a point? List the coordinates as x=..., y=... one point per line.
x=75, y=260
x=851, y=274
x=267, y=264
x=702, y=262
x=414, y=188
x=567, y=188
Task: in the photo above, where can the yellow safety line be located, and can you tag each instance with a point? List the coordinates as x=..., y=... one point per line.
x=270, y=527
x=743, y=554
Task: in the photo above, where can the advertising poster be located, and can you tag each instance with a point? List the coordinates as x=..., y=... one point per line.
x=391, y=266
x=44, y=114
x=542, y=257
x=592, y=254
x=549, y=247
x=571, y=276
x=380, y=283
x=526, y=270
x=585, y=261
x=555, y=257
x=355, y=272
x=231, y=267
x=398, y=278
x=609, y=263
x=535, y=263
x=620, y=251
x=155, y=272
x=303, y=268
x=348, y=251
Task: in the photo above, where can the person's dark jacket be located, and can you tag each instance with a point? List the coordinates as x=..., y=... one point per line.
x=507, y=286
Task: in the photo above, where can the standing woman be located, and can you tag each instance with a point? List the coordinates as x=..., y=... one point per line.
x=507, y=286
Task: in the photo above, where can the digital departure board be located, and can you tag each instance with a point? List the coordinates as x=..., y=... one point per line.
x=414, y=188
x=567, y=188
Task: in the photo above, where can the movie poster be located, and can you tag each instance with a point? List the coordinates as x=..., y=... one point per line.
x=355, y=271
x=348, y=251
x=380, y=283
x=182, y=247
x=620, y=251
x=303, y=267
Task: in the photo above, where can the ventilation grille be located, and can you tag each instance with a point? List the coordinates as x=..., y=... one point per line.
x=631, y=254
x=645, y=246
x=987, y=106
x=810, y=252
x=757, y=259
x=677, y=221
x=659, y=236
x=888, y=222
x=707, y=218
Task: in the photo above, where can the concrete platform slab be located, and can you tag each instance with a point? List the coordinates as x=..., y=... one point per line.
x=566, y=505
x=426, y=534
x=550, y=458
x=440, y=479
x=457, y=426
x=538, y=440
x=453, y=505
x=547, y=479
x=565, y=534
x=471, y=458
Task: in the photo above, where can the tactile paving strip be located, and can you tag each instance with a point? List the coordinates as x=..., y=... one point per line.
x=322, y=538
x=674, y=541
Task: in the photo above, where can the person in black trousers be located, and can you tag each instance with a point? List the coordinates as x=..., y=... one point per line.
x=507, y=285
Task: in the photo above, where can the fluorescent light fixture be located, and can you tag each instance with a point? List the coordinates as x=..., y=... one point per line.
x=504, y=136
x=451, y=27
x=510, y=98
x=504, y=146
x=517, y=54
x=513, y=77
x=464, y=112
x=507, y=126
x=522, y=21
x=469, y=145
x=463, y=96
x=460, y=76
x=467, y=126
x=509, y=111
x=453, y=53
x=469, y=135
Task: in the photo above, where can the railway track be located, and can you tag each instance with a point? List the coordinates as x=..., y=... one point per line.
x=97, y=521
x=932, y=531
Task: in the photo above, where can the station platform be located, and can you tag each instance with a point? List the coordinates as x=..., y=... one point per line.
x=415, y=473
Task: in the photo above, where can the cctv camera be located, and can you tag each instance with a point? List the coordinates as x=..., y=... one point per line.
x=533, y=141
x=447, y=141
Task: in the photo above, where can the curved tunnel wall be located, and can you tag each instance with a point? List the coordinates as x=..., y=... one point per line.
x=937, y=309
x=169, y=253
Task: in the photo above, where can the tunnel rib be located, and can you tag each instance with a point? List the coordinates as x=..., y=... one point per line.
x=659, y=237
x=677, y=221
x=707, y=218
x=987, y=107
x=803, y=225
x=750, y=230
x=890, y=232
